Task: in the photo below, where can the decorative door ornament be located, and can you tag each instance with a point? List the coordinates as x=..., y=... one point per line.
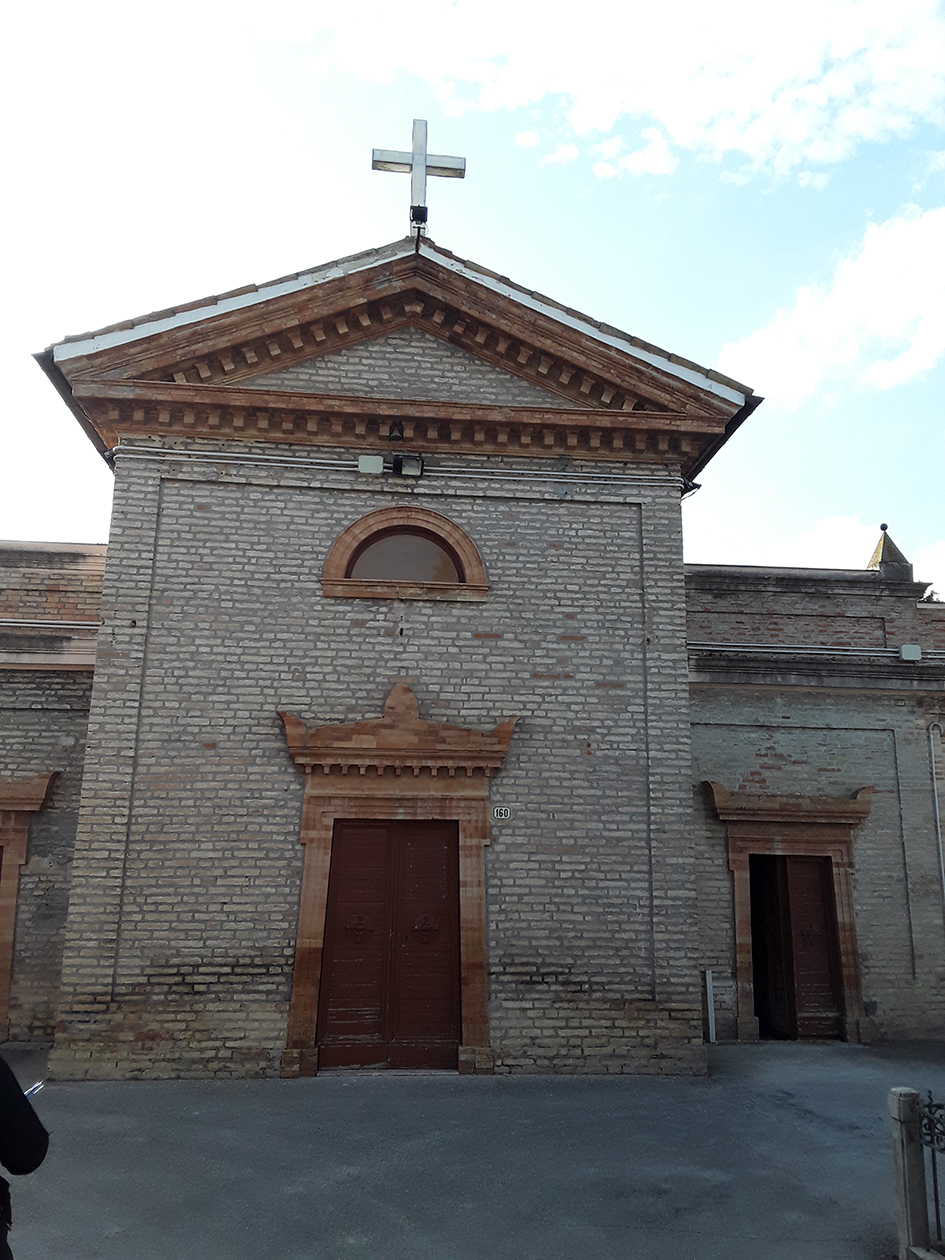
x=398, y=766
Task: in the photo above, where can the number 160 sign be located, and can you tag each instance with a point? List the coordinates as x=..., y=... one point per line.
x=501, y=812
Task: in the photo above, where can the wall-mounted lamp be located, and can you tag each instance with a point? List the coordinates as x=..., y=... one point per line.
x=407, y=466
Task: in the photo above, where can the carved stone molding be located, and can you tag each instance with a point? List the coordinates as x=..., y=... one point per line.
x=18, y=800
x=803, y=826
x=395, y=767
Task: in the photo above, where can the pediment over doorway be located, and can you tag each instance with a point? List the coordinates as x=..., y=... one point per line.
x=760, y=807
x=401, y=742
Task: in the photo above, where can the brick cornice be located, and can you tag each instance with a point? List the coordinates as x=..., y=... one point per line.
x=136, y=410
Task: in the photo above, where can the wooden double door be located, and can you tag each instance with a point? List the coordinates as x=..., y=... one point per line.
x=795, y=947
x=390, y=986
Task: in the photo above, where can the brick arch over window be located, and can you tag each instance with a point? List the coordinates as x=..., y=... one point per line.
x=353, y=540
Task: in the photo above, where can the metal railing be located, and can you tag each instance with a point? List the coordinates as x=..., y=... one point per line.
x=917, y=1126
x=932, y=1137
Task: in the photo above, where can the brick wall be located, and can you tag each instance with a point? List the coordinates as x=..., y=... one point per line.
x=798, y=607
x=43, y=718
x=800, y=724
x=56, y=582
x=187, y=874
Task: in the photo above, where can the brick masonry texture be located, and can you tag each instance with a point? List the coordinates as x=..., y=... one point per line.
x=409, y=363
x=187, y=871
x=801, y=727
x=608, y=888
x=54, y=583
x=785, y=629
x=43, y=720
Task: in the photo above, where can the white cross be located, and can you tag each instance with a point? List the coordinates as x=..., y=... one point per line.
x=419, y=164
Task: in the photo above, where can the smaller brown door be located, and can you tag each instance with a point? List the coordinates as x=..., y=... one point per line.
x=795, y=947
x=390, y=986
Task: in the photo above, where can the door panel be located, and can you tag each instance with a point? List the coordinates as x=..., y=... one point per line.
x=815, y=947
x=424, y=1014
x=389, y=995
x=352, y=1000
x=795, y=947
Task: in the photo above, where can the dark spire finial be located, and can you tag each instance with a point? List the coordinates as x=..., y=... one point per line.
x=884, y=527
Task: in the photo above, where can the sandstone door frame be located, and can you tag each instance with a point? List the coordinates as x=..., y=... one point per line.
x=18, y=801
x=793, y=826
x=399, y=768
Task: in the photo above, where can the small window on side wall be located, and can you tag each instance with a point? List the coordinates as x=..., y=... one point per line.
x=404, y=553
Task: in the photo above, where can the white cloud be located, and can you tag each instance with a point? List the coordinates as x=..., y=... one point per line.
x=813, y=179
x=715, y=536
x=835, y=542
x=929, y=566
x=655, y=159
x=609, y=148
x=527, y=139
x=774, y=87
x=564, y=153
x=880, y=321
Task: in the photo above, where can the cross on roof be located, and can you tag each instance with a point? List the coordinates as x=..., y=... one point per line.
x=419, y=164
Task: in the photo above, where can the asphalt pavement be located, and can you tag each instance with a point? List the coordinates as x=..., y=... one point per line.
x=782, y=1153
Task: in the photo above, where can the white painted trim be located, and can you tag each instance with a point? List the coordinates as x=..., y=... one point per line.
x=308, y=280
x=579, y=325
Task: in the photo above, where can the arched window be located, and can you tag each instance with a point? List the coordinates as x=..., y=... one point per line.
x=404, y=553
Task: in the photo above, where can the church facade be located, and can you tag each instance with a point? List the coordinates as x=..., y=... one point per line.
x=391, y=729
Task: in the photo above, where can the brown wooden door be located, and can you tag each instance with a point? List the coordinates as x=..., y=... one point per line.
x=389, y=994
x=795, y=947
x=815, y=947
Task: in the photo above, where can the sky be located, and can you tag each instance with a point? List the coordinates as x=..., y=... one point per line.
x=758, y=188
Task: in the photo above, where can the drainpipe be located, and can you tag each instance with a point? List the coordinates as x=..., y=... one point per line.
x=937, y=726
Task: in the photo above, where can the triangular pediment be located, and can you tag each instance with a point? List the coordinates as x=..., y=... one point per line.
x=505, y=339
x=408, y=363
x=469, y=352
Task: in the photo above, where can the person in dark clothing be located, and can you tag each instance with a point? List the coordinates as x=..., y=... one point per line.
x=23, y=1145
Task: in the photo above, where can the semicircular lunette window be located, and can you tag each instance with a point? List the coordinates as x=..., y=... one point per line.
x=405, y=555
x=404, y=552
